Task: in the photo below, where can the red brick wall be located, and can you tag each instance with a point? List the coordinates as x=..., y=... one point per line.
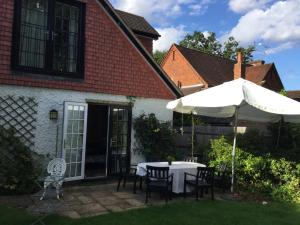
x=178, y=69
x=112, y=64
x=147, y=43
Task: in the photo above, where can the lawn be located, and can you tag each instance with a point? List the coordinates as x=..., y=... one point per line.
x=192, y=213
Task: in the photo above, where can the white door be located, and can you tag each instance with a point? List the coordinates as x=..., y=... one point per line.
x=74, y=139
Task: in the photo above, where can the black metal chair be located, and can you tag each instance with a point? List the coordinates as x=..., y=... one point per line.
x=190, y=159
x=222, y=177
x=159, y=180
x=127, y=173
x=204, y=179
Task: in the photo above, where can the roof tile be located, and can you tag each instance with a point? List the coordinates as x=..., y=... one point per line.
x=138, y=24
x=216, y=70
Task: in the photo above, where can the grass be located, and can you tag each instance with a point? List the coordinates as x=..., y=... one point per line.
x=192, y=213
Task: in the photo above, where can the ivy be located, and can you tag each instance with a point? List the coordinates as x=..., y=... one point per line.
x=154, y=139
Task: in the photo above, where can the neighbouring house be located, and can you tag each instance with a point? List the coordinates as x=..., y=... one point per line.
x=73, y=75
x=295, y=94
x=194, y=70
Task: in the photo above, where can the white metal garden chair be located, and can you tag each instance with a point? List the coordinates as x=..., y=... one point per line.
x=56, y=168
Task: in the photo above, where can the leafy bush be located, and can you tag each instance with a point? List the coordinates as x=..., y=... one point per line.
x=154, y=138
x=286, y=180
x=18, y=172
x=277, y=177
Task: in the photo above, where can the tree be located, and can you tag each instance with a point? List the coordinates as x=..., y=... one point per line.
x=199, y=41
x=209, y=44
x=159, y=56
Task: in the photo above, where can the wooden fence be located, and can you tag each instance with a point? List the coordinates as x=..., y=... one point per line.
x=203, y=136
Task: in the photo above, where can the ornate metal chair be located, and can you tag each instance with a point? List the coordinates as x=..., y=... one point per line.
x=56, y=168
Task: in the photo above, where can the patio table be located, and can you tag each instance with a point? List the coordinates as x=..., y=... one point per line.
x=177, y=169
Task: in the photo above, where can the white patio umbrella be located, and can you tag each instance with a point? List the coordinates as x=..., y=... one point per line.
x=241, y=99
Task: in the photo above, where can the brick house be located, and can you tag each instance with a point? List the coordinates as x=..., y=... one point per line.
x=194, y=70
x=295, y=94
x=73, y=75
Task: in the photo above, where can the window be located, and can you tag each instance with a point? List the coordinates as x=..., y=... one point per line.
x=49, y=37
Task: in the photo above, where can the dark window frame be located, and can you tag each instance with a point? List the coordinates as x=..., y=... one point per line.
x=47, y=70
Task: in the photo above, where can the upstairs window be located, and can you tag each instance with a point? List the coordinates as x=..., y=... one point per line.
x=49, y=37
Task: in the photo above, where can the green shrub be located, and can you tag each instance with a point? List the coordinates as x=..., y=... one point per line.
x=278, y=177
x=154, y=139
x=17, y=170
x=286, y=180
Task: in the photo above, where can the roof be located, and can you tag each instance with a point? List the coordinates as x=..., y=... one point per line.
x=124, y=27
x=293, y=94
x=216, y=70
x=138, y=24
x=257, y=74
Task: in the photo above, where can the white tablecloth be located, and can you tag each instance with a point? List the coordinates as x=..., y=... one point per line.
x=177, y=169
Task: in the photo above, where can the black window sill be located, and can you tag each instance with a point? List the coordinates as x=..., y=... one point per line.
x=50, y=77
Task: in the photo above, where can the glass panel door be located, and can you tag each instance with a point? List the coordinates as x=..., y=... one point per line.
x=120, y=136
x=75, y=121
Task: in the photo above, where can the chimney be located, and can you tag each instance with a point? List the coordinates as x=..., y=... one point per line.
x=239, y=69
x=257, y=63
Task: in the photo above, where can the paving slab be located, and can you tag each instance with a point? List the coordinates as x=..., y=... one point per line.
x=90, y=208
x=71, y=213
x=85, y=199
x=111, y=200
x=135, y=202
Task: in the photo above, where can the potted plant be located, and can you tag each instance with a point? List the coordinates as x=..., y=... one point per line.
x=170, y=159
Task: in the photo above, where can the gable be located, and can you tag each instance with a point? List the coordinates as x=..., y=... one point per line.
x=214, y=70
x=273, y=80
x=113, y=62
x=179, y=69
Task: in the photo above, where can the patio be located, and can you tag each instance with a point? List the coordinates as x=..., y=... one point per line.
x=87, y=199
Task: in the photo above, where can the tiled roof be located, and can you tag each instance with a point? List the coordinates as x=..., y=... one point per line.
x=216, y=70
x=138, y=24
x=257, y=74
x=293, y=94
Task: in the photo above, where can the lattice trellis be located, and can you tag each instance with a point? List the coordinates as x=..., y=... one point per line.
x=19, y=113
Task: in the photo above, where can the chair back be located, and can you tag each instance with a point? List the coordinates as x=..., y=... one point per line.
x=205, y=174
x=191, y=159
x=222, y=167
x=122, y=164
x=157, y=173
x=57, y=167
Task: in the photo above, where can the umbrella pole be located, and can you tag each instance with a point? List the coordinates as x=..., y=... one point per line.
x=193, y=133
x=233, y=149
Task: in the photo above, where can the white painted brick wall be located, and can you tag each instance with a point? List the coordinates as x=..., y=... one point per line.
x=48, y=99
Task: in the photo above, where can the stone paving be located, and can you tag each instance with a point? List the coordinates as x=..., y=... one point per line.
x=86, y=200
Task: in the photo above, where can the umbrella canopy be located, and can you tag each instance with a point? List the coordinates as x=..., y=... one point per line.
x=255, y=103
x=240, y=99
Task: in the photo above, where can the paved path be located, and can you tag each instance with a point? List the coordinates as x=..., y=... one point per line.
x=84, y=201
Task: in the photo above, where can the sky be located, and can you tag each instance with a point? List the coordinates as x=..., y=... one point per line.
x=272, y=26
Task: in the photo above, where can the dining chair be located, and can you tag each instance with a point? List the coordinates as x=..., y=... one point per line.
x=127, y=173
x=204, y=179
x=191, y=159
x=222, y=177
x=158, y=179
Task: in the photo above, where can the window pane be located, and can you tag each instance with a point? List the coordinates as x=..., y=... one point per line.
x=33, y=33
x=65, y=37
